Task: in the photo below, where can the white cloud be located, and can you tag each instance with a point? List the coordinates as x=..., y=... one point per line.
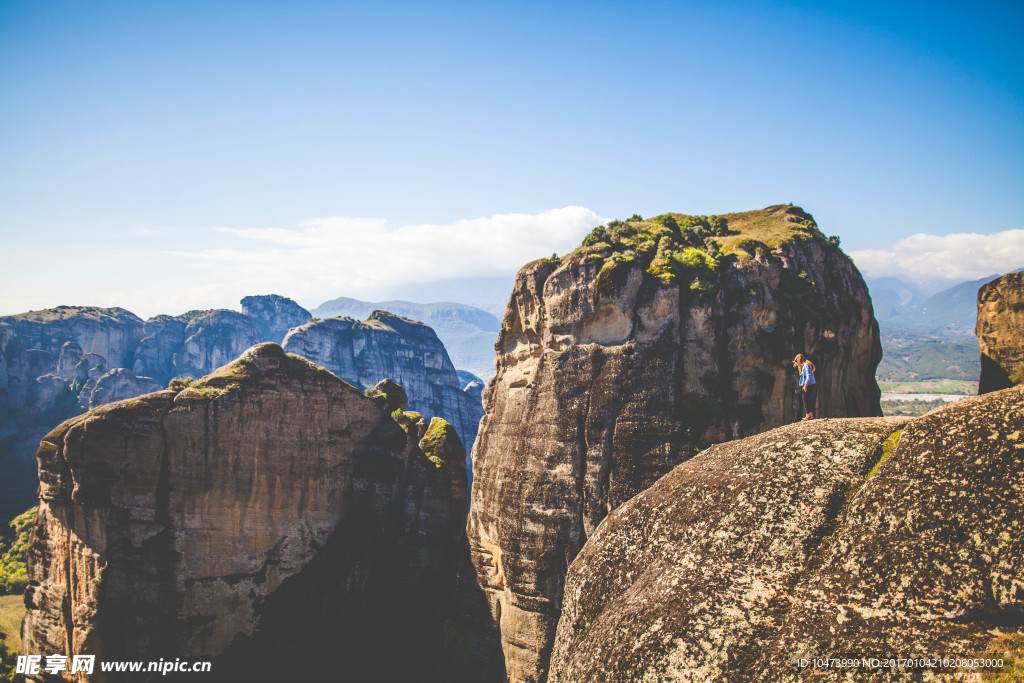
x=959, y=256
x=346, y=256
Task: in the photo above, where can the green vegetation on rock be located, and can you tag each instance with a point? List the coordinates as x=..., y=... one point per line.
x=1010, y=649
x=179, y=383
x=689, y=250
x=888, y=446
x=13, y=573
x=407, y=419
x=441, y=443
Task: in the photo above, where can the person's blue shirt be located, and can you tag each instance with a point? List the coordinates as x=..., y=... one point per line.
x=806, y=375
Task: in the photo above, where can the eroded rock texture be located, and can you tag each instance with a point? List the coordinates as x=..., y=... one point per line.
x=389, y=346
x=261, y=514
x=1000, y=330
x=807, y=541
x=56, y=363
x=49, y=363
x=275, y=315
x=625, y=357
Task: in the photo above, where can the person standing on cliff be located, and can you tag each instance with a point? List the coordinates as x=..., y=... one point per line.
x=807, y=384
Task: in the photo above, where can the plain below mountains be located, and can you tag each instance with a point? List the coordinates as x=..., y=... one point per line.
x=468, y=333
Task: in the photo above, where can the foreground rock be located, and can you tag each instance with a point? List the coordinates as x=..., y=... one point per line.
x=1000, y=331
x=813, y=540
x=623, y=359
x=264, y=512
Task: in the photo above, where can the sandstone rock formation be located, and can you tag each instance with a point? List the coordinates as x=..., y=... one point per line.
x=46, y=361
x=813, y=540
x=1000, y=331
x=213, y=339
x=275, y=315
x=163, y=337
x=120, y=384
x=80, y=345
x=623, y=359
x=268, y=506
x=468, y=333
x=387, y=345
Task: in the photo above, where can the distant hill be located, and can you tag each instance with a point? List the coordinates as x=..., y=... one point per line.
x=905, y=306
x=892, y=298
x=927, y=337
x=468, y=333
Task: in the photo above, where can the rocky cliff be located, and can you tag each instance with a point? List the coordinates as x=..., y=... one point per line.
x=468, y=333
x=1000, y=330
x=275, y=315
x=626, y=357
x=386, y=345
x=836, y=538
x=50, y=363
x=266, y=515
x=57, y=363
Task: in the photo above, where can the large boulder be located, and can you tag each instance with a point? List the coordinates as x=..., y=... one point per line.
x=263, y=515
x=829, y=539
x=1000, y=330
x=629, y=355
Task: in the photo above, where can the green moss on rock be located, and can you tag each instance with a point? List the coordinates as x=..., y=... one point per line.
x=441, y=444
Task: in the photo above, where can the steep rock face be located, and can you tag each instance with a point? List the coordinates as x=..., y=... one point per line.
x=812, y=540
x=120, y=384
x=1000, y=330
x=468, y=333
x=46, y=359
x=275, y=315
x=389, y=346
x=163, y=336
x=213, y=339
x=179, y=524
x=110, y=332
x=623, y=359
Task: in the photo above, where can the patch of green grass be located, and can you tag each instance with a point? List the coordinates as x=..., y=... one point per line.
x=930, y=386
x=12, y=611
x=1010, y=649
x=888, y=446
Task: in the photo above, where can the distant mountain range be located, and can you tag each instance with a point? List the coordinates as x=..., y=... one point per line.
x=927, y=336
x=468, y=333
x=901, y=304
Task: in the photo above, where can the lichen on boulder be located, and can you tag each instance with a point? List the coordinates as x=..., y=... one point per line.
x=803, y=543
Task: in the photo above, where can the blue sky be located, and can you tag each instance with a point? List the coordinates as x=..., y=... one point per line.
x=151, y=143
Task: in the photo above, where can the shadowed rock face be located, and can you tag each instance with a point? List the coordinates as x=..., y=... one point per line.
x=610, y=373
x=50, y=361
x=179, y=524
x=1000, y=330
x=797, y=543
x=385, y=345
